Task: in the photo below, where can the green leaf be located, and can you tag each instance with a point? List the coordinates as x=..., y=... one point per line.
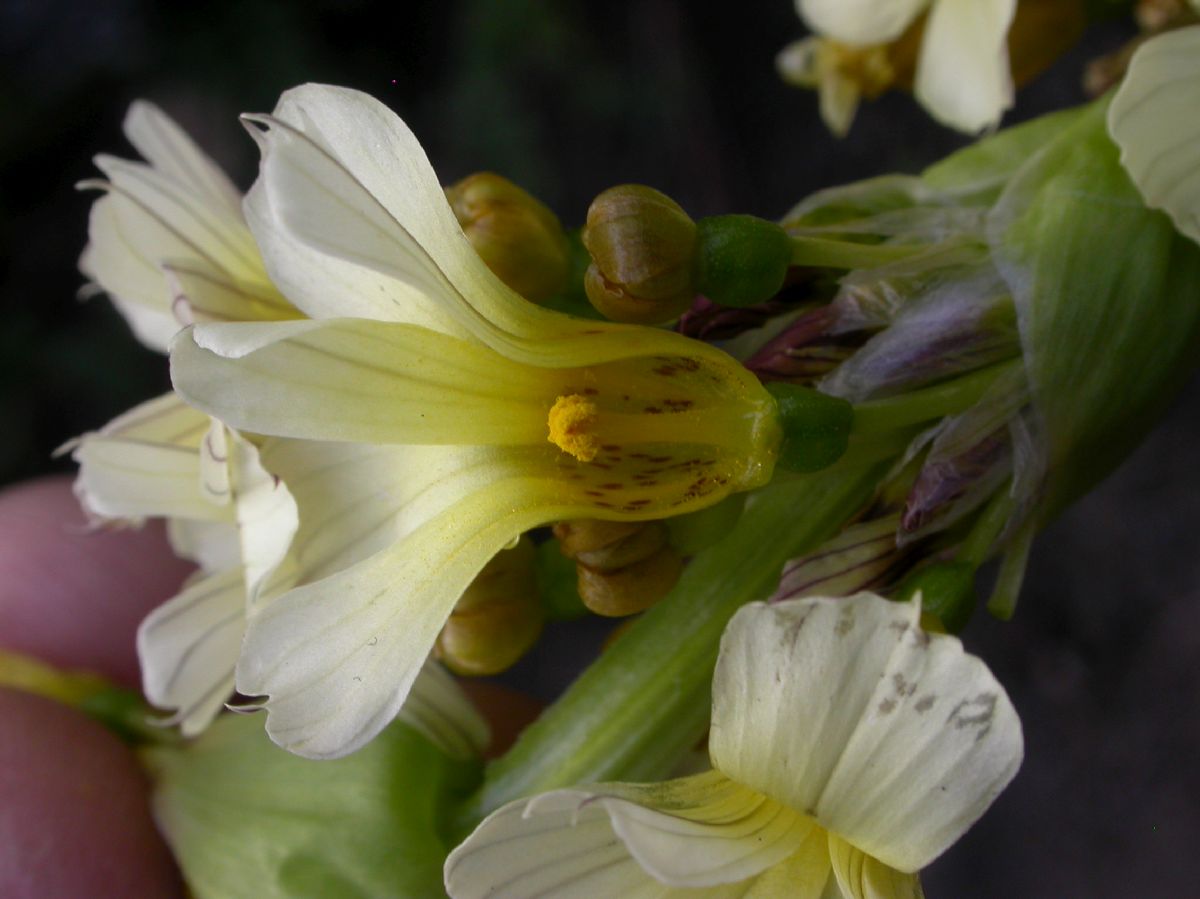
x=1106, y=300
x=245, y=818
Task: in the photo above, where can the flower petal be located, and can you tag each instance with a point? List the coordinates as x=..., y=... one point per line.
x=124, y=243
x=168, y=149
x=861, y=877
x=146, y=463
x=359, y=380
x=859, y=21
x=894, y=739
x=554, y=843
x=213, y=545
x=704, y=830
x=669, y=432
x=337, y=656
x=1152, y=119
x=188, y=648
x=963, y=76
x=694, y=833
x=217, y=235
x=179, y=211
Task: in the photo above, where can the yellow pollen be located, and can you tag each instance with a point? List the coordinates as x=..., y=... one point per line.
x=572, y=420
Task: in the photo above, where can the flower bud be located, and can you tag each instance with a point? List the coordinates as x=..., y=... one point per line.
x=643, y=246
x=517, y=236
x=816, y=427
x=498, y=618
x=741, y=260
x=622, y=567
x=632, y=589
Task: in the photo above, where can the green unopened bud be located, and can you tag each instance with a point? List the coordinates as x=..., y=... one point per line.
x=816, y=427
x=498, y=618
x=741, y=260
x=517, y=236
x=947, y=591
x=643, y=247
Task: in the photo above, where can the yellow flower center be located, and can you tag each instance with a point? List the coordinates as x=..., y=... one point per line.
x=572, y=424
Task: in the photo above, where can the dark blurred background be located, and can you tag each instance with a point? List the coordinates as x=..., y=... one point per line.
x=568, y=98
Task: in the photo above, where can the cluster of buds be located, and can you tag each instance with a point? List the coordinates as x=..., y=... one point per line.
x=623, y=567
x=650, y=260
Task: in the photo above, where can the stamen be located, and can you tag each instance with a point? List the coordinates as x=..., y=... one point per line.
x=572, y=424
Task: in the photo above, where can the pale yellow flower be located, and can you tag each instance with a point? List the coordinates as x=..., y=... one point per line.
x=849, y=749
x=169, y=243
x=441, y=421
x=962, y=77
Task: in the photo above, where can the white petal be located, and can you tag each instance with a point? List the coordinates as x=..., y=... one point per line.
x=336, y=657
x=216, y=235
x=1153, y=120
x=367, y=381
x=860, y=21
x=553, y=845
x=843, y=709
x=861, y=877
x=214, y=482
x=201, y=293
x=167, y=148
x=963, y=76
x=213, y=545
x=704, y=830
x=267, y=517
x=188, y=648
x=124, y=244
x=702, y=835
x=348, y=210
x=146, y=463
x=344, y=175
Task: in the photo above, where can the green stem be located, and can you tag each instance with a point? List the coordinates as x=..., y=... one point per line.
x=646, y=700
x=948, y=398
x=975, y=548
x=823, y=253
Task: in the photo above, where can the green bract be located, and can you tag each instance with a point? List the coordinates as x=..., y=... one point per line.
x=245, y=817
x=1105, y=295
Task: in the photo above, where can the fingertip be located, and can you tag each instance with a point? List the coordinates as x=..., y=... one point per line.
x=75, y=820
x=72, y=595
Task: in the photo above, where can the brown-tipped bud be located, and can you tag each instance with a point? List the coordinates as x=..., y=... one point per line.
x=497, y=619
x=622, y=567
x=517, y=236
x=632, y=589
x=643, y=248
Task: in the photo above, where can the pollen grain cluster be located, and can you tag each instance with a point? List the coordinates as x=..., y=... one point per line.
x=572, y=422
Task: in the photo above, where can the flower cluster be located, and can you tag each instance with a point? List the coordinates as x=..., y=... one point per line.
x=366, y=415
